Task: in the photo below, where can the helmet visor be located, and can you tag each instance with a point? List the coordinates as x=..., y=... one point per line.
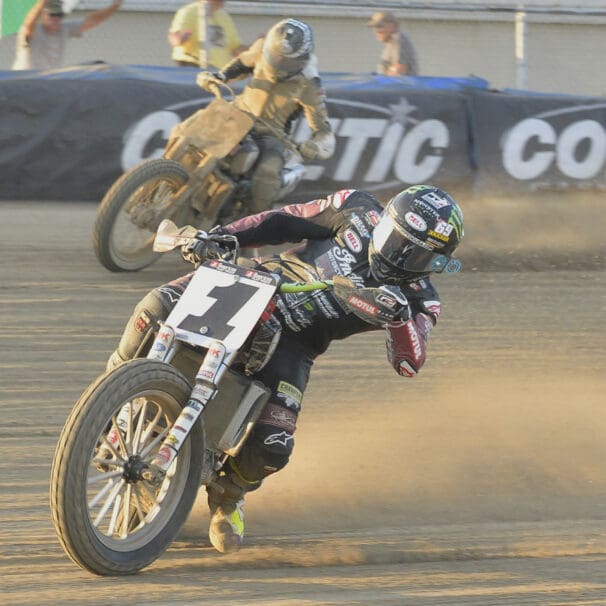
x=281, y=67
x=403, y=251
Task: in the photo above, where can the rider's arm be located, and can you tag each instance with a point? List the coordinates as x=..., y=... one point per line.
x=313, y=103
x=313, y=220
x=243, y=64
x=407, y=341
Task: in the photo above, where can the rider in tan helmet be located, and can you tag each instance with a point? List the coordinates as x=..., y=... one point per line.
x=284, y=83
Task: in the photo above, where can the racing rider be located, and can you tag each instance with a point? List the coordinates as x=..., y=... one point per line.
x=388, y=254
x=285, y=83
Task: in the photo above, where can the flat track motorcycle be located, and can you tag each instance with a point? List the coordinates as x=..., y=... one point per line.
x=146, y=435
x=202, y=179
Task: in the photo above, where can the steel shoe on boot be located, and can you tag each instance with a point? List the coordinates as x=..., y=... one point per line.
x=226, y=531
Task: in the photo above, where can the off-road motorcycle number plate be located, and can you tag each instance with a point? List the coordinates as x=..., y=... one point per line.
x=223, y=302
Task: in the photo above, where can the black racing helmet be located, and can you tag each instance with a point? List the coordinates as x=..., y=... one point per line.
x=287, y=48
x=416, y=235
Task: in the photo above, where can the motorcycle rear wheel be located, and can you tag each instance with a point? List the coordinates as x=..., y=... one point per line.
x=108, y=520
x=127, y=217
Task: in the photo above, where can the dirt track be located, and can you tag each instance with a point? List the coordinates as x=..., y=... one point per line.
x=482, y=481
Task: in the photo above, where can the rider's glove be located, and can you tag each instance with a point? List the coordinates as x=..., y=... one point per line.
x=393, y=303
x=208, y=80
x=195, y=251
x=380, y=306
x=309, y=149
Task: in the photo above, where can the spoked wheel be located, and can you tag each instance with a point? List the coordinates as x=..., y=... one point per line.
x=131, y=211
x=109, y=520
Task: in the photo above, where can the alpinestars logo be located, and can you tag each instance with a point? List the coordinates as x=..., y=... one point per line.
x=282, y=438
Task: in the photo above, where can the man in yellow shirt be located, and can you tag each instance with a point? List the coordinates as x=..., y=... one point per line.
x=223, y=41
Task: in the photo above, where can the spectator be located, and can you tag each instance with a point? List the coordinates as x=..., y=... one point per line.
x=223, y=40
x=399, y=57
x=41, y=38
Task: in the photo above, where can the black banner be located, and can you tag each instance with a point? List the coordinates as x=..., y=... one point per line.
x=69, y=135
x=63, y=139
x=71, y=139
x=529, y=143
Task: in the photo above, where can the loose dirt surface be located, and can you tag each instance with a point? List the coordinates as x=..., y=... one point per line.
x=482, y=481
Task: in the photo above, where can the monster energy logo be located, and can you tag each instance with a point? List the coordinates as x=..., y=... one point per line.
x=456, y=220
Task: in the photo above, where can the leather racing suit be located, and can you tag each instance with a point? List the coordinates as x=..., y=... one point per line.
x=278, y=104
x=337, y=231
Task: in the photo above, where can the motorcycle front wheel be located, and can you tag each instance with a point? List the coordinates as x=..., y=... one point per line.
x=131, y=211
x=108, y=519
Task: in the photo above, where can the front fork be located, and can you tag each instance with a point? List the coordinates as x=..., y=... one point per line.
x=209, y=374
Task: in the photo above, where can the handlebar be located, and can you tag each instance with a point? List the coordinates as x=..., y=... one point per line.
x=294, y=287
x=219, y=246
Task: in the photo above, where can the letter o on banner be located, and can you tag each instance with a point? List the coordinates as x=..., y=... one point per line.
x=591, y=164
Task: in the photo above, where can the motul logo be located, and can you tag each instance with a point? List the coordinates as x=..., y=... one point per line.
x=362, y=305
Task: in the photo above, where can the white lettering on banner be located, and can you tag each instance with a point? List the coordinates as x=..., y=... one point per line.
x=390, y=143
x=408, y=167
x=357, y=131
x=138, y=137
x=579, y=151
x=412, y=150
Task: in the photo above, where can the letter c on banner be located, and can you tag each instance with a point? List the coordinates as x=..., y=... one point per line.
x=516, y=142
x=141, y=134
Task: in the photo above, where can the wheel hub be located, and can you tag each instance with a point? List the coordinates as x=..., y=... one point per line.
x=133, y=469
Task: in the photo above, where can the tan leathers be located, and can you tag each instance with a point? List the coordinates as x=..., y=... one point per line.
x=275, y=103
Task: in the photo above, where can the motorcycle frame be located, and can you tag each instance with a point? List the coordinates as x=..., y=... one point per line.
x=217, y=359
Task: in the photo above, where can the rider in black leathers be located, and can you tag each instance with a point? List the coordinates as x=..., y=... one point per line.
x=388, y=254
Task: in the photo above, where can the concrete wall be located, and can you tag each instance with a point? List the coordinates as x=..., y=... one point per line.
x=564, y=53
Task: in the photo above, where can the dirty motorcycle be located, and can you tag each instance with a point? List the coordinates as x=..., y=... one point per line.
x=145, y=436
x=202, y=179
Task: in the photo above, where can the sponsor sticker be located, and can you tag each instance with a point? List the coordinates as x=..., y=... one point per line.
x=362, y=305
x=282, y=438
x=352, y=240
x=415, y=221
x=290, y=395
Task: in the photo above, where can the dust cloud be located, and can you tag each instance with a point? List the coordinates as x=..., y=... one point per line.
x=499, y=449
x=557, y=230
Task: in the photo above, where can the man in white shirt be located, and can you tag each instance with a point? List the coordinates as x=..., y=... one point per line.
x=41, y=38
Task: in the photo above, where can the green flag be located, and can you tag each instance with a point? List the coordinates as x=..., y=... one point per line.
x=12, y=13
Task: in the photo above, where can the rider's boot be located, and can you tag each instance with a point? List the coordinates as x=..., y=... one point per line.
x=225, y=501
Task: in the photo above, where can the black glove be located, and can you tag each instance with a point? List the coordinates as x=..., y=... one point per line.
x=195, y=251
x=207, y=80
x=380, y=306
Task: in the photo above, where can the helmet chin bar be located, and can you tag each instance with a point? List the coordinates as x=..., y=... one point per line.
x=388, y=274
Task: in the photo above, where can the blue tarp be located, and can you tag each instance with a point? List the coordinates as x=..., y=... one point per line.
x=187, y=75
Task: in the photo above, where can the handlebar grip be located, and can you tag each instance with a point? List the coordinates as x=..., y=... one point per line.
x=215, y=89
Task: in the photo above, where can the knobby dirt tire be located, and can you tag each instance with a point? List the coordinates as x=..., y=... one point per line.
x=71, y=474
x=159, y=169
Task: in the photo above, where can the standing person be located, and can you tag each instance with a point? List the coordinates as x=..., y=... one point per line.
x=387, y=254
x=285, y=83
x=41, y=38
x=399, y=57
x=223, y=39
